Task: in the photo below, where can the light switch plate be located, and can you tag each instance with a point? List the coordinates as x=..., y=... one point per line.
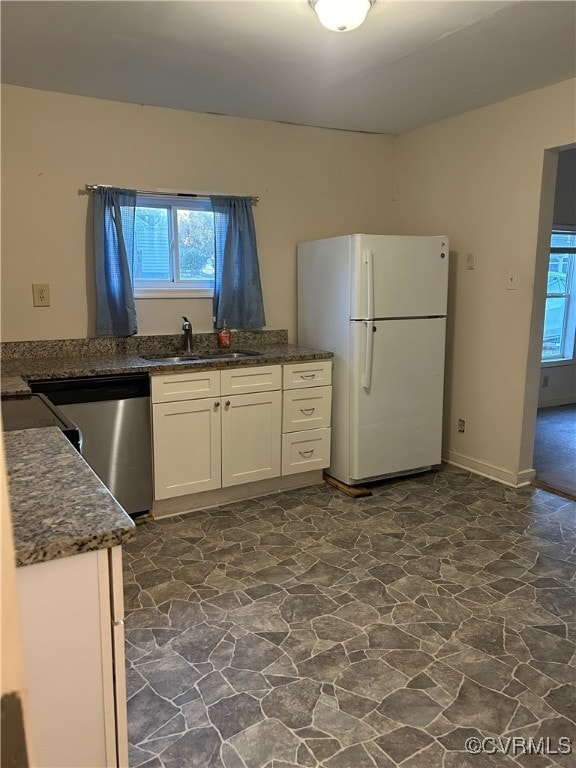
x=41, y=294
x=512, y=281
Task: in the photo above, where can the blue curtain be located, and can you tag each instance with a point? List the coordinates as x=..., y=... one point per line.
x=114, y=214
x=237, y=288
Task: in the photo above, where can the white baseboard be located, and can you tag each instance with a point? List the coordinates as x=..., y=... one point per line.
x=483, y=468
x=525, y=477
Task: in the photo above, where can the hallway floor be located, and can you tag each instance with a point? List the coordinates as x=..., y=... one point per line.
x=311, y=629
x=555, y=449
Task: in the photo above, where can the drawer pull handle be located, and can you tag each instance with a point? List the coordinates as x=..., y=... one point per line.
x=217, y=404
x=307, y=411
x=307, y=375
x=227, y=403
x=306, y=454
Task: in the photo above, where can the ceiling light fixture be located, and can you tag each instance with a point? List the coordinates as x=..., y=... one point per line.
x=341, y=15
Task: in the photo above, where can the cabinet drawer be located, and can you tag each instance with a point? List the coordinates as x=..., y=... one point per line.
x=239, y=381
x=306, y=409
x=185, y=386
x=314, y=373
x=302, y=451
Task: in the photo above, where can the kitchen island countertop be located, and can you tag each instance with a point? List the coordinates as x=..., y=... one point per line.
x=59, y=506
x=14, y=385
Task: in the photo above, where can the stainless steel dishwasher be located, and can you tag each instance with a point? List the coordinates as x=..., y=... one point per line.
x=113, y=414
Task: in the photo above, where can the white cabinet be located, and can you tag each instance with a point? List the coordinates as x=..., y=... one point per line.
x=73, y=636
x=306, y=408
x=173, y=387
x=306, y=416
x=304, y=451
x=215, y=430
x=187, y=447
x=251, y=426
x=223, y=428
x=240, y=381
x=186, y=433
x=312, y=373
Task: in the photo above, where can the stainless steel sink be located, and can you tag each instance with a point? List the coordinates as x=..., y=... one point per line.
x=202, y=357
x=171, y=358
x=228, y=355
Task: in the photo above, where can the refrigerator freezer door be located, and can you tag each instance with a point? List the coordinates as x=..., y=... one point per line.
x=399, y=276
x=396, y=422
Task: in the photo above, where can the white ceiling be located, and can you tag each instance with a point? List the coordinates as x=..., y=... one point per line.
x=411, y=63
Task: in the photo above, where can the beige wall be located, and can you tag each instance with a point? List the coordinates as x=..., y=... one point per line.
x=477, y=177
x=312, y=183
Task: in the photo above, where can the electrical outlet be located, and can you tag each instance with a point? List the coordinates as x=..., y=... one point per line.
x=545, y=381
x=461, y=425
x=41, y=294
x=470, y=261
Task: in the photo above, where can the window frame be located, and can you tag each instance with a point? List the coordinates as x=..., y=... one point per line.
x=568, y=351
x=173, y=289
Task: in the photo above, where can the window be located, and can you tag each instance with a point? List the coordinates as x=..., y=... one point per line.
x=173, y=246
x=560, y=313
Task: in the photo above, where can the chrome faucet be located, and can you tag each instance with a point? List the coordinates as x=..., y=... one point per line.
x=187, y=328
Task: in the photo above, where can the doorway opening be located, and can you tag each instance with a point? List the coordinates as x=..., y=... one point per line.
x=555, y=449
x=554, y=459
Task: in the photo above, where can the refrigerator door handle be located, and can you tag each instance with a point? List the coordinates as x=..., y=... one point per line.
x=369, y=261
x=367, y=375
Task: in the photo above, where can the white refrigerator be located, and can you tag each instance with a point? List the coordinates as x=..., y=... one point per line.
x=378, y=302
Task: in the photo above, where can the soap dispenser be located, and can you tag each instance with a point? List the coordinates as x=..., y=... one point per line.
x=224, y=336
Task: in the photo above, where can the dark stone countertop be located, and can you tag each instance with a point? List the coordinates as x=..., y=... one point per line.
x=59, y=506
x=17, y=372
x=13, y=385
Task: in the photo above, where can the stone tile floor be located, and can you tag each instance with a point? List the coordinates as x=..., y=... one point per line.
x=311, y=629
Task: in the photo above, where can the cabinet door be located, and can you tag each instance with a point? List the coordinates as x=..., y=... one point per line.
x=67, y=640
x=251, y=437
x=186, y=447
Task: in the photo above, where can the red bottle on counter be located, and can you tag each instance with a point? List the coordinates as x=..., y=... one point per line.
x=224, y=335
